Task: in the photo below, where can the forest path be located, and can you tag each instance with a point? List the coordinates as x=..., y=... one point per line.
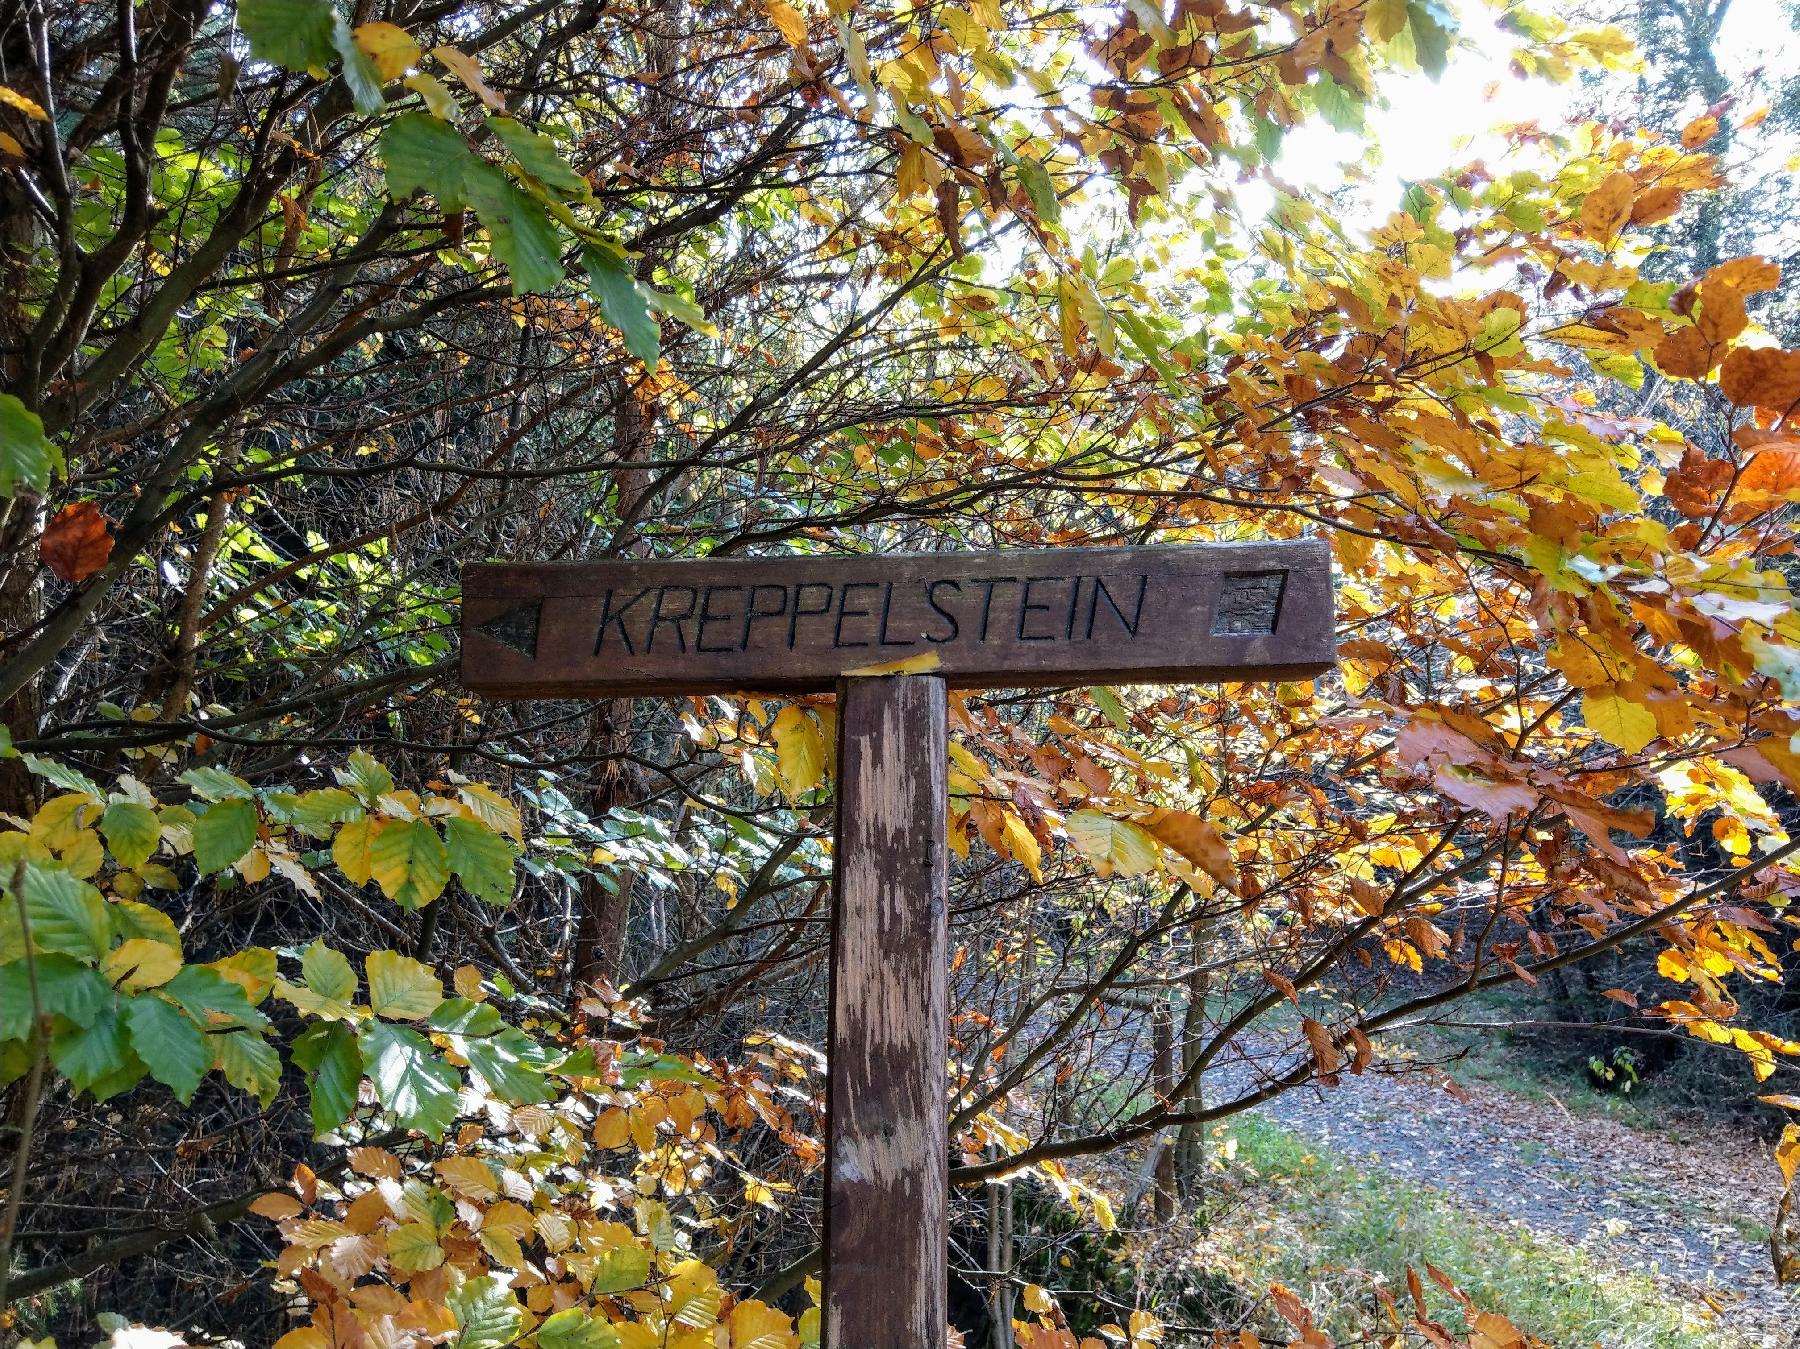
x=1691, y=1214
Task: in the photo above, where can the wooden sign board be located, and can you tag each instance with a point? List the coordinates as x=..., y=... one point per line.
x=1222, y=612
x=796, y=624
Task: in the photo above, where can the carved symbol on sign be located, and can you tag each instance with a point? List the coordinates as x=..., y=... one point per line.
x=1249, y=604
x=516, y=628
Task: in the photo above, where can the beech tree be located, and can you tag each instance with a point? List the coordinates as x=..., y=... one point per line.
x=488, y=1025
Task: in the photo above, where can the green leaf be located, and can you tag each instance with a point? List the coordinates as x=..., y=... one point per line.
x=413, y=1248
x=360, y=72
x=25, y=455
x=487, y=1314
x=316, y=812
x=171, y=1046
x=1039, y=187
x=224, y=834
x=296, y=34
x=512, y=1064
x=96, y=1053
x=537, y=155
x=66, y=988
x=213, y=1001
x=69, y=779
x=459, y=1016
x=573, y=1328
x=327, y=972
x=1433, y=29
x=482, y=859
x=132, y=832
x=67, y=915
x=1338, y=105
x=401, y=988
x=1108, y=702
x=334, y=1068
x=1113, y=845
x=410, y=862
x=520, y=233
x=250, y=1062
x=366, y=775
x=410, y=1080
x=215, y=784
x=422, y=152
x=621, y=1268
x=623, y=305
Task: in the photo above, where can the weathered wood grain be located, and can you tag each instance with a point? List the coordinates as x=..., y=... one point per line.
x=887, y=1148
x=791, y=624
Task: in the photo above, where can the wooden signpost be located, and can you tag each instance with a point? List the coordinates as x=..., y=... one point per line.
x=1220, y=612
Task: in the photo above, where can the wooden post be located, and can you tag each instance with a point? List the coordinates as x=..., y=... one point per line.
x=887, y=1151
x=1029, y=618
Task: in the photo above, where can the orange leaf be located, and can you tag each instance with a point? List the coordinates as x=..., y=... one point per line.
x=1656, y=205
x=1608, y=206
x=275, y=1207
x=77, y=542
x=1197, y=841
x=1699, y=131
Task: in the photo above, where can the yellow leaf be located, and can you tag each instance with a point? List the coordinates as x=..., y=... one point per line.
x=438, y=100
x=467, y=980
x=307, y=1337
x=799, y=751
x=755, y=1325
x=389, y=46
x=470, y=1177
x=919, y=664
x=401, y=988
x=1036, y=1299
x=275, y=1207
x=9, y=146
x=141, y=963
x=787, y=20
x=493, y=810
x=12, y=98
x=352, y=849
x=1787, y=1152
x=612, y=1129
x=1112, y=845
x=1021, y=843
x=1618, y=719
x=694, y=1295
x=1385, y=18
x=466, y=69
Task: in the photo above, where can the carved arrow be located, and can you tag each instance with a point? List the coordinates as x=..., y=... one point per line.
x=516, y=628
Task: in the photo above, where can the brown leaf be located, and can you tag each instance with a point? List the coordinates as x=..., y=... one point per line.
x=77, y=542
x=1324, y=1049
x=1762, y=377
x=1684, y=354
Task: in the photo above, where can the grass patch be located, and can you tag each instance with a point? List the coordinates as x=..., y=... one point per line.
x=1286, y=1211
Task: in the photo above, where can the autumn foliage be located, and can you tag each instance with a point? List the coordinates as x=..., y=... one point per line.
x=305, y=307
